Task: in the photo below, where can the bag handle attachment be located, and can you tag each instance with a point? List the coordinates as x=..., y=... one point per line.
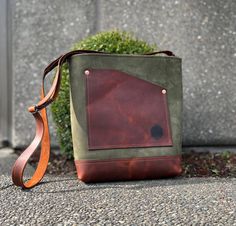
x=42, y=131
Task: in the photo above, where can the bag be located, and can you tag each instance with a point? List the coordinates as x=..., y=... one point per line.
x=125, y=117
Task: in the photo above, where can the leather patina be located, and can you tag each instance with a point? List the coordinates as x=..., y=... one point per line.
x=128, y=169
x=124, y=111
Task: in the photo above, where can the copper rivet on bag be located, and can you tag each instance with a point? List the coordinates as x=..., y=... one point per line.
x=86, y=72
x=163, y=91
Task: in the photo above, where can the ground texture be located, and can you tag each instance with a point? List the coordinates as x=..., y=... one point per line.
x=63, y=200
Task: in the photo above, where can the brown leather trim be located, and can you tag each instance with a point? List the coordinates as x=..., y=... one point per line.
x=128, y=169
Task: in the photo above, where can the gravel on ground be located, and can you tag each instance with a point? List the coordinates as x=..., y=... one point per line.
x=63, y=200
x=66, y=201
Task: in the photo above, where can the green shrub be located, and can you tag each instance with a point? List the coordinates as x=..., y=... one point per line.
x=111, y=42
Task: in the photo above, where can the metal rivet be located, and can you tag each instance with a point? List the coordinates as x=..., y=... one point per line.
x=86, y=72
x=163, y=91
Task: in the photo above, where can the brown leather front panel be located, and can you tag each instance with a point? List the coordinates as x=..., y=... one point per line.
x=125, y=111
x=128, y=169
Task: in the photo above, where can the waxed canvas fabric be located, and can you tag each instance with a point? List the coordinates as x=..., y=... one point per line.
x=161, y=70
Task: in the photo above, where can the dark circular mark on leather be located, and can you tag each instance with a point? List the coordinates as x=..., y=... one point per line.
x=156, y=131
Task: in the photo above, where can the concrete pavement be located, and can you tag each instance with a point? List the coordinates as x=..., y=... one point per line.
x=63, y=200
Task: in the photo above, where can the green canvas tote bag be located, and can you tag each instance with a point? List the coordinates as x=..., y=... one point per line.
x=125, y=117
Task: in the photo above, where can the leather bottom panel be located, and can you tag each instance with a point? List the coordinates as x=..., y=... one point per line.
x=128, y=169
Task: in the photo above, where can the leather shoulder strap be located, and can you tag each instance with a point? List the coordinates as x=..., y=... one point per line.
x=42, y=132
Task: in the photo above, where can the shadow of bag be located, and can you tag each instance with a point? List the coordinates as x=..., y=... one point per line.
x=125, y=117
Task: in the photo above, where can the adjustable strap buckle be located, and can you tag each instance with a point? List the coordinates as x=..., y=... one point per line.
x=33, y=109
x=36, y=108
